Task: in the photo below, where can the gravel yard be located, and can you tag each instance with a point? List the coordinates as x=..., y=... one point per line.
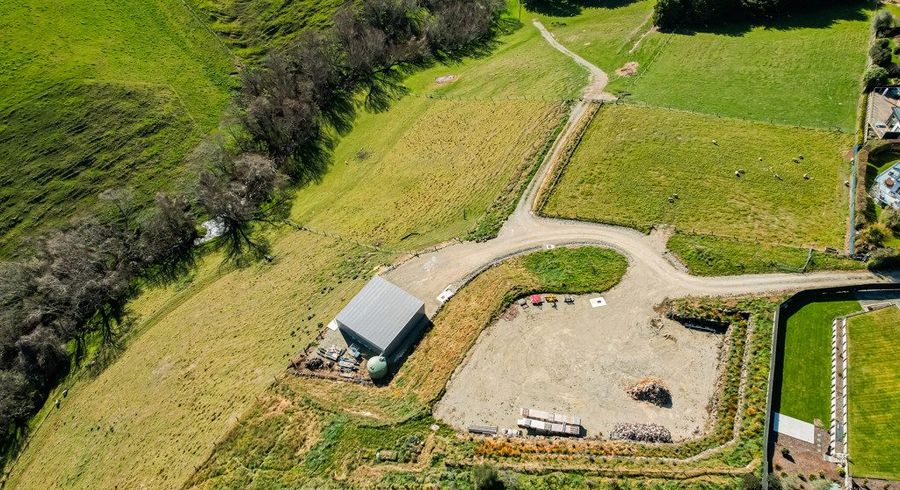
x=579, y=360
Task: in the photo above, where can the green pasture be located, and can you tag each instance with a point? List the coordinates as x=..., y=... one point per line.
x=706, y=255
x=806, y=370
x=605, y=33
x=803, y=70
x=97, y=94
x=254, y=27
x=873, y=397
x=60, y=149
x=639, y=167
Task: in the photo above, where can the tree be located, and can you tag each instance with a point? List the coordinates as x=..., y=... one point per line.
x=42, y=358
x=883, y=23
x=241, y=192
x=880, y=55
x=874, y=77
x=87, y=281
x=166, y=245
x=16, y=401
x=458, y=24
x=891, y=218
x=872, y=237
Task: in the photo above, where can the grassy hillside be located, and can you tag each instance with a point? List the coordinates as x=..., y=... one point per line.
x=806, y=373
x=253, y=27
x=632, y=160
x=96, y=93
x=874, y=401
x=803, y=70
x=207, y=351
x=76, y=139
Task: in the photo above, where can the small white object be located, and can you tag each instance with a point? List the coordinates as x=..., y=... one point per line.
x=599, y=301
x=214, y=229
x=332, y=325
x=549, y=246
x=446, y=294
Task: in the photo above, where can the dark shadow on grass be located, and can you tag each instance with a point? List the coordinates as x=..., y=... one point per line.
x=570, y=8
x=809, y=18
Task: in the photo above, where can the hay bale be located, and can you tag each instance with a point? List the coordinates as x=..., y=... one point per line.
x=651, y=390
x=640, y=433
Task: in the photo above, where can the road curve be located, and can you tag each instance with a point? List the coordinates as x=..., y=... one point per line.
x=651, y=277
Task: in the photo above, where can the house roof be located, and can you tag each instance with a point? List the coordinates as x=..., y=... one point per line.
x=379, y=312
x=882, y=108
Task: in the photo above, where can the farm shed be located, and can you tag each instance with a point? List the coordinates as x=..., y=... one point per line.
x=382, y=317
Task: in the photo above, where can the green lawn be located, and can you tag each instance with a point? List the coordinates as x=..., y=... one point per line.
x=632, y=160
x=874, y=397
x=806, y=372
x=805, y=70
x=96, y=93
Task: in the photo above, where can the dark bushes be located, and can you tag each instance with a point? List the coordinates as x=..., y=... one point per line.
x=670, y=14
x=76, y=282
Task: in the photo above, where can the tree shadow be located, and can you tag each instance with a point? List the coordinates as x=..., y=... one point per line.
x=821, y=18
x=570, y=8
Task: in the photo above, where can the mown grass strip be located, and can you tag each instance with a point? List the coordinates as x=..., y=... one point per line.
x=873, y=397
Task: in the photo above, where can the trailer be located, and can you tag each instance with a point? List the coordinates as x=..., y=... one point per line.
x=549, y=428
x=550, y=417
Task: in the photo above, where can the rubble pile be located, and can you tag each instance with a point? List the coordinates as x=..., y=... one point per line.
x=651, y=390
x=314, y=363
x=641, y=433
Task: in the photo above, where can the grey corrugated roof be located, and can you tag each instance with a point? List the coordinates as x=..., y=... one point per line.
x=379, y=312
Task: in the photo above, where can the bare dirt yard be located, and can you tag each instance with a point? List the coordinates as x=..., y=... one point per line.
x=579, y=360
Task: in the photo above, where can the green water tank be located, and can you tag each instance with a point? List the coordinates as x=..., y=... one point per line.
x=377, y=367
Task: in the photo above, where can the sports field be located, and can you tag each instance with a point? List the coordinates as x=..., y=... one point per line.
x=806, y=371
x=97, y=93
x=874, y=400
x=207, y=349
x=640, y=166
x=804, y=70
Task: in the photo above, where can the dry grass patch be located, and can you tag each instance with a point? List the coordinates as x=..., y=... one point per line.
x=429, y=169
x=154, y=414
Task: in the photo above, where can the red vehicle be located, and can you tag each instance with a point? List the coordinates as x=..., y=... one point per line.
x=536, y=299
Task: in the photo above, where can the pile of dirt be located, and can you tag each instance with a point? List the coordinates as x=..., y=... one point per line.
x=641, y=433
x=651, y=390
x=628, y=69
